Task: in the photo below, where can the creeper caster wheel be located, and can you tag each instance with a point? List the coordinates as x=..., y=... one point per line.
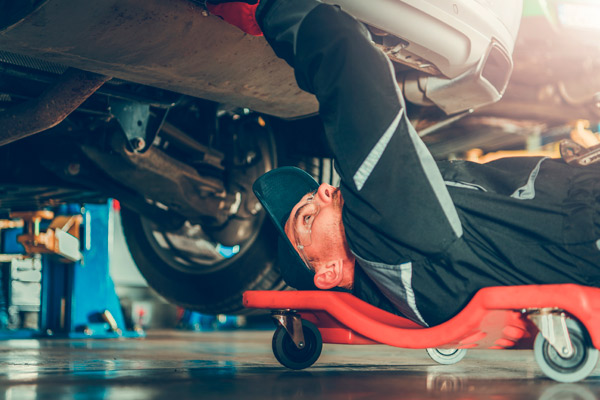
x=289, y=355
x=446, y=356
x=567, y=369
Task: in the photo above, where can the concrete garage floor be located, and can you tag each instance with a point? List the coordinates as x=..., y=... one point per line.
x=240, y=365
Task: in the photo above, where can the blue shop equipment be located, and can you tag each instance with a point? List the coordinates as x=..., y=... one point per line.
x=77, y=297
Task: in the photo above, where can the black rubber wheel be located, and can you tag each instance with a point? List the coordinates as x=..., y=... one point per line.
x=571, y=369
x=289, y=355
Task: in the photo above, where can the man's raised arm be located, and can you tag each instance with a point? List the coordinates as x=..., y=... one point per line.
x=384, y=165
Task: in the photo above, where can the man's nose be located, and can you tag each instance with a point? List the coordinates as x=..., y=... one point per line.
x=326, y=190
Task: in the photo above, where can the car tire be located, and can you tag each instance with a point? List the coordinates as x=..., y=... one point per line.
x=214, y=290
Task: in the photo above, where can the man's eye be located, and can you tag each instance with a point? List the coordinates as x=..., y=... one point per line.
x=307, y=219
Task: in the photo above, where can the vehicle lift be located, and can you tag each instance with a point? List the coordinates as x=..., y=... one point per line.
x=68, y=251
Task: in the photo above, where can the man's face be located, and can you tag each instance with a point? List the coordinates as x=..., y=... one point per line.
x=315, y=222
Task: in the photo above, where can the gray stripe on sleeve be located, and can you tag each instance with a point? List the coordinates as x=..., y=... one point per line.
x=527, y=191
x=427, y=162
x=434, y=177
x=366, y=168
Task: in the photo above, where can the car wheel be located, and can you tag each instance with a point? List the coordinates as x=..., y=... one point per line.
x=190, y=270
x=208, y=270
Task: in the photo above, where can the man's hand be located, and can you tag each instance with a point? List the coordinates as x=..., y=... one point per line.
x=231, y=1
x=238, y=13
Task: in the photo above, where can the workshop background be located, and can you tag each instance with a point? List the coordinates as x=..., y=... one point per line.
x=130, y=135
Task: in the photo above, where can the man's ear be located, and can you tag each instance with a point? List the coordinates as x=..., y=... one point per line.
x=329, y=274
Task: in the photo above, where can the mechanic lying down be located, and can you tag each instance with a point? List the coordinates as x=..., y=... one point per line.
x=404, y=233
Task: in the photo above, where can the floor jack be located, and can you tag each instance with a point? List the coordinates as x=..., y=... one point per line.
x=60, y=260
